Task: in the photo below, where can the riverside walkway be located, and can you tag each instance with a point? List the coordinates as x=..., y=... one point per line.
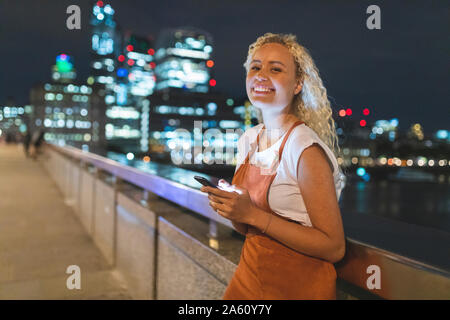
x=40, y=236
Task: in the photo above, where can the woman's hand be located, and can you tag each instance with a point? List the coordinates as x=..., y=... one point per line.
x=231, y=205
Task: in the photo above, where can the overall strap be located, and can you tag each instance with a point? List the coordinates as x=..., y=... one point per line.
x=252, y=150
x=280, y=152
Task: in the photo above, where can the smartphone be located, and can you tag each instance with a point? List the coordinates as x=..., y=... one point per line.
x=205, y=182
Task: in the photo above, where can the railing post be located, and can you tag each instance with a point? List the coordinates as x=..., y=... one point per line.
x=144, y=200
x=96, y=176
x=213, y=235
x=117, y=182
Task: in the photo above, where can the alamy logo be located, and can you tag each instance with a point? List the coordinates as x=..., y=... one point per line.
x=74, y=280
x=374, y=20
x=374, y=281
x=74, y=20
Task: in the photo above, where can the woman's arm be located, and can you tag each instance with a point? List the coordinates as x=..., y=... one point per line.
x=326, y=238
x=240, y=227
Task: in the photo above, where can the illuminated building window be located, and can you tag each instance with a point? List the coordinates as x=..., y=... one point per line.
x=109, y=10
x=122, y=113
x=49, y=96
x=109, y=99
x=212, y=107
x=84, y=89
x=102, y=44
x=207, y=49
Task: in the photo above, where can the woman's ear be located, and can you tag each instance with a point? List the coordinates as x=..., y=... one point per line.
x=298, y=88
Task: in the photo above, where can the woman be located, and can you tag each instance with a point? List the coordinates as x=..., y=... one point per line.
x=289, y=183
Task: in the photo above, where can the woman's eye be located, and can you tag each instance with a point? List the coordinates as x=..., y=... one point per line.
x=257, y=68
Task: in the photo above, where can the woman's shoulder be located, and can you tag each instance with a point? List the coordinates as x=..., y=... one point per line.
x=301, y=138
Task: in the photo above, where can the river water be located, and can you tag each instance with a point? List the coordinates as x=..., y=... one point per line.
x=420, y=203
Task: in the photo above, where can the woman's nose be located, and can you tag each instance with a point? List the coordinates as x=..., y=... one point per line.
x=260, y=75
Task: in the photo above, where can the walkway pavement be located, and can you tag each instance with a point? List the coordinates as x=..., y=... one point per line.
x=40, y=236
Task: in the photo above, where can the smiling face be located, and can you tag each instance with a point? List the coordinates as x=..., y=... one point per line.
x=271, y=78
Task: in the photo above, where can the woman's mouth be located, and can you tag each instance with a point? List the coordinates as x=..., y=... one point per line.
x=262, y=90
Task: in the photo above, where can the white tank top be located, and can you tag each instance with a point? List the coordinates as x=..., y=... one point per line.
x=285, y=198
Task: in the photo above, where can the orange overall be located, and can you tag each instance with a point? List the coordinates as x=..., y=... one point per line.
x=267, y=268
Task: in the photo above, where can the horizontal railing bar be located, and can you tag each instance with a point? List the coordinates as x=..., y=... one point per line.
x=400, y=259
x=178, y=193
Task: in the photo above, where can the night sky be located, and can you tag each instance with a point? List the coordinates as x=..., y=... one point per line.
x=399, y=71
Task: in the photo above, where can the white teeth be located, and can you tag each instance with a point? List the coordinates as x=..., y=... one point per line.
x=261, y=89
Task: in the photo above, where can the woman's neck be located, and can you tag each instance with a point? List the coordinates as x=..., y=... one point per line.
x=275, y=125
x=280, y=121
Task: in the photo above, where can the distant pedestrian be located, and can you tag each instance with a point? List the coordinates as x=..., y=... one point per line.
x=26, y=143
x=36, y=142
x=40, y=140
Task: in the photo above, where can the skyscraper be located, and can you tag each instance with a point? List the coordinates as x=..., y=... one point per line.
x=104, y=44
x=14, y=119
x=67, y=111
x=183, y=100
x=127, y=128
x=183, y=60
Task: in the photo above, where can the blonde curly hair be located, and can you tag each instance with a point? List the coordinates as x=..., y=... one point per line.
x=311, y=104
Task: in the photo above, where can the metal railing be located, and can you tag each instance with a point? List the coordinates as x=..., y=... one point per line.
x=376, y=271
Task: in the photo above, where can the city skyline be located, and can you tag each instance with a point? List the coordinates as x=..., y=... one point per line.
x=390, y=80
